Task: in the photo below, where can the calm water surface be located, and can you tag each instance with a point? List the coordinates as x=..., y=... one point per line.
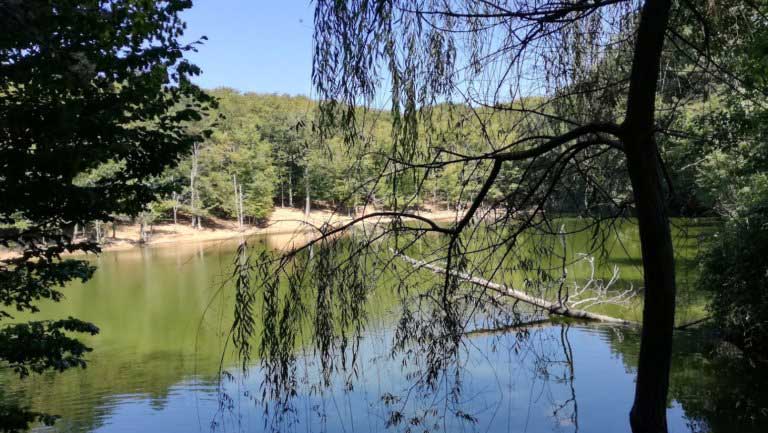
x=164, y=314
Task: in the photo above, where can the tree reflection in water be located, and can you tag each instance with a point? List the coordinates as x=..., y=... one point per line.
x=520, y=378
x=346, y=344
x=145, y=380
x=718, y=389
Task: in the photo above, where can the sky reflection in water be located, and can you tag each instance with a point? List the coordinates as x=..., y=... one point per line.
x=155, y=368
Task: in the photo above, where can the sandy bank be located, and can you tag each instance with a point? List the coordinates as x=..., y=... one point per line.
x=288, y=225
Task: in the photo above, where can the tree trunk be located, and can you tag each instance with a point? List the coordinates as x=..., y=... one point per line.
x=306, y=191
x=290, y=189
x=237, y=202
x=550, y=307
x=192, y=191
x=649, y=411
x=240, y=207
x=175, y=208
x=142, y=232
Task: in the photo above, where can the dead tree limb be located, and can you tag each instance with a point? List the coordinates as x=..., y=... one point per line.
x=692, y=323
x=550, y=307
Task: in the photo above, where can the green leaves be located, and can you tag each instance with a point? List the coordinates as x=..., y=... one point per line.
x=734, y=272
x=23, y=285
x=95, y=103
x=89, y=83
x=17, y=419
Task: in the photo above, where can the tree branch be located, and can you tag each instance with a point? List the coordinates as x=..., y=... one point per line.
x=550, y=307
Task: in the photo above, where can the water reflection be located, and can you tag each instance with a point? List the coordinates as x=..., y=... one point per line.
x=549, y=378
x=166, y=314
x=518, y=381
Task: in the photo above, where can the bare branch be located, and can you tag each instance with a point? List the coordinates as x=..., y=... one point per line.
x=550, y=307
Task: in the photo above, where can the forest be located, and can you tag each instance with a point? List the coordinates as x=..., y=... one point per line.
x=603, y=165
x=270, y=146
x=267, y=146
x=717, y=160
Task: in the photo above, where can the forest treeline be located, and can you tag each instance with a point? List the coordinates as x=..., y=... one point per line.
x=264, y=150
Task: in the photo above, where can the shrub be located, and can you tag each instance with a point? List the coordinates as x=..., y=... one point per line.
x=735, y=271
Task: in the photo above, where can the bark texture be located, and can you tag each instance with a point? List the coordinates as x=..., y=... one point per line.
x=648, y=414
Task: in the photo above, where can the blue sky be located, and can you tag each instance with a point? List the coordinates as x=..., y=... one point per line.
x=260, y=46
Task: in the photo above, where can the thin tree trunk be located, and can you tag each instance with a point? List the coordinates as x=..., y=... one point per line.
x=142, y=232
x=175, y=208
x=649, y=411
x=192, y=190
x=241, y=209
x=192, y=187
x=306, y=191
x=237, y=202
x=290, y=189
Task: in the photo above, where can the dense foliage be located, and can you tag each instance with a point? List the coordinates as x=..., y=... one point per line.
x=270, y=144
x=95, y=99
x=718, y=158
x=735, y=272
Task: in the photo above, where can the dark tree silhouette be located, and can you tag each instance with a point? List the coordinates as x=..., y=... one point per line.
x=94, y=99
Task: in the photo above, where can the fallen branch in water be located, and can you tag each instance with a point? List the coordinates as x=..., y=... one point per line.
x=693, y=323
x=539, y=323
x=550, y=307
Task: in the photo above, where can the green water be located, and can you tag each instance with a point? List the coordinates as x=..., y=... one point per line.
x=165, y=313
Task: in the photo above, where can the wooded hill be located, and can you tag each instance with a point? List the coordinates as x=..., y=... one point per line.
x=267, y=146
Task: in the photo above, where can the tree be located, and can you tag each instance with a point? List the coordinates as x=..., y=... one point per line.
x=729, y=173
x=582, y=79
x=531, y=29
x=95, y=97
x=234, y=154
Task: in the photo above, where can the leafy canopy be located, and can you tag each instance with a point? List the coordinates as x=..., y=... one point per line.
x=95, y=96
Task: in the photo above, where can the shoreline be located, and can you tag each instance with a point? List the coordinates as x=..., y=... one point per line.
x=288, y=222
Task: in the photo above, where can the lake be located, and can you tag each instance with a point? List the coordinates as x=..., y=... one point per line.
x=165, y=314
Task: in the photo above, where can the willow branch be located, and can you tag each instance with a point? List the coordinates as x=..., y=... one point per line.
x=324, y=234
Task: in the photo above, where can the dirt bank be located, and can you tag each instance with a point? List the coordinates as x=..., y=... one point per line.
x=289, y=223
